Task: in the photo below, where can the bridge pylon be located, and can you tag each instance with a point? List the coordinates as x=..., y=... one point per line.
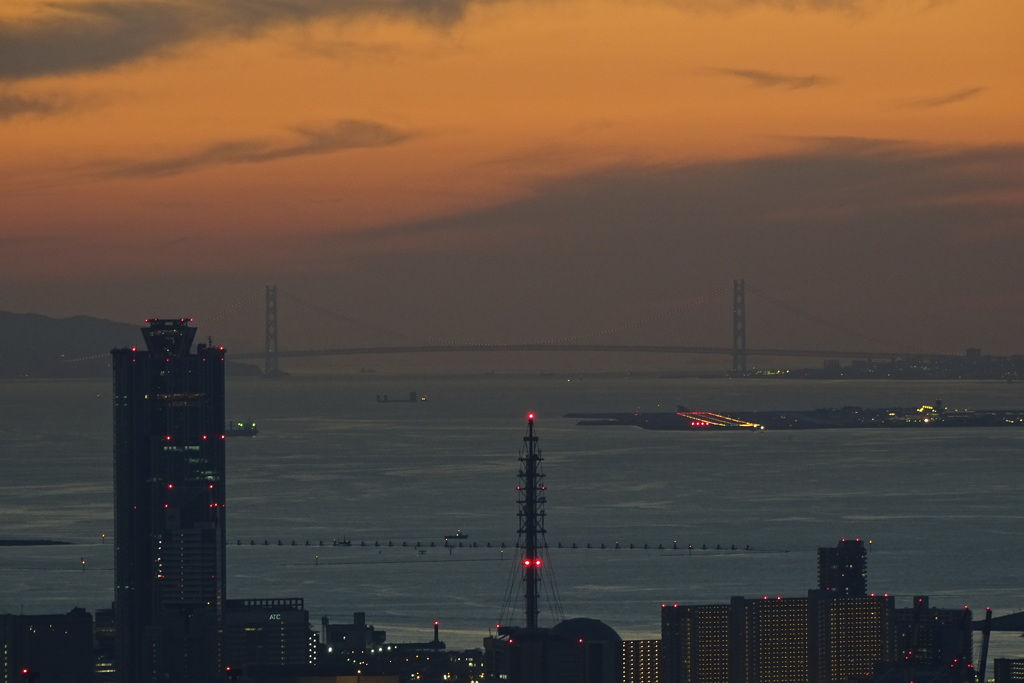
x=739, y=328
x=270, y=357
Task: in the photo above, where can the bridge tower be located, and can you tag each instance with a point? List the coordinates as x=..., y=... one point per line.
x=739, y=327
x=270, y=359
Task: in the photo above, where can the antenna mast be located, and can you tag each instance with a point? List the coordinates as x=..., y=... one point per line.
x=531, y=520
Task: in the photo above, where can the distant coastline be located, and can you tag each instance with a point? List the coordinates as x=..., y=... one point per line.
x=35, y=346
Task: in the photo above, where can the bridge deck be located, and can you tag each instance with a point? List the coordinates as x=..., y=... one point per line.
x=592, y=348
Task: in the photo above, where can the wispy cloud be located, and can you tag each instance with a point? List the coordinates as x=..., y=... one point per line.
x=99, y=34
x=771, y=79
x=855, y=6
x=14, y=105
x=855, y=225
x=948, y=98
x=342, y=135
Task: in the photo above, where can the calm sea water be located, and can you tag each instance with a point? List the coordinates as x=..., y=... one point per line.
x=942, y=509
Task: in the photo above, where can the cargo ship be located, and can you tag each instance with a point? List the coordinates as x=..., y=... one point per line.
x=413, y=398
x=847, y=417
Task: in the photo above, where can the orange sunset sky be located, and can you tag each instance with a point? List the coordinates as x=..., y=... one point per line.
x=519, y=170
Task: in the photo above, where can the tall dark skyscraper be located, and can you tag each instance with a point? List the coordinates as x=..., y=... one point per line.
x=169, y=561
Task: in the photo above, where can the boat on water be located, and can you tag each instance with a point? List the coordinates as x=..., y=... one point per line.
x=412, y=398
x=241, y=429
x=847, y=417
x=457, y=536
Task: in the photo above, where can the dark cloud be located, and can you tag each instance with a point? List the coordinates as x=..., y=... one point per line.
x=855, y=6
x=828, y=186
x=949, y=98
x=13, y=105
x=891, y=240
x=101, y=34
x=770, y=79
x=89, y=36
x=342, y=135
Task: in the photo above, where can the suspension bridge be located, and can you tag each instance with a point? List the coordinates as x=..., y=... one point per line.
x=738, y=350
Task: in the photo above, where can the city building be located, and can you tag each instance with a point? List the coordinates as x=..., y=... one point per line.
x=933, y=643
x=357, y=637
x=104, y=638
x=549, y=655
x=773, y=643
x=837, y=634
x=268, y=632
x=823, y=638
x=843, y=569
x=47, y=647
x=639, y=661
x=169, y=558
x=361, y=648
x=850, y=635
x=595, y=646
x=1008, y=670
x=696, y=643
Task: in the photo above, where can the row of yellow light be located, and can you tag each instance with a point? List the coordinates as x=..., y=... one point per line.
x=716, y=420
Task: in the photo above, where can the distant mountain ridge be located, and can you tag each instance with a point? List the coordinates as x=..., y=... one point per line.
x=33, y=345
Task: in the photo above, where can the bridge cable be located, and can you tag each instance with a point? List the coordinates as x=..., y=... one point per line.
x=823, y=321
x=341, y=317
x=696, y=302
x=689, y=305
x=238, y=305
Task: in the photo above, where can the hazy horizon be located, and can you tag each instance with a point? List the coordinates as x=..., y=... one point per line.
x=498, y=171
